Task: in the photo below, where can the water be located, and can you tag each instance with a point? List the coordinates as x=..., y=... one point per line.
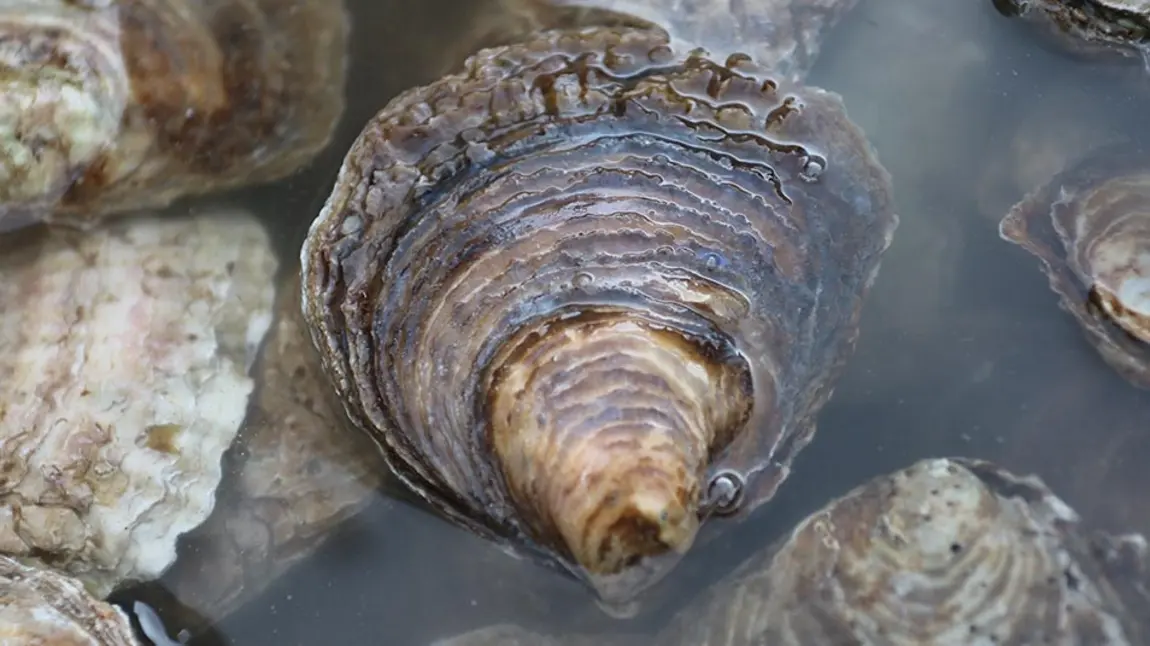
x=963, y=350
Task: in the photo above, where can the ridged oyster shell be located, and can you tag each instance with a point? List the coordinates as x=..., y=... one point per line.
x=697, y=238
x=39, y=606
x=1090, y=227
x=125, y=353
x=948, y=552
x=295, y=472
x=1089, y=28
x=117, y=105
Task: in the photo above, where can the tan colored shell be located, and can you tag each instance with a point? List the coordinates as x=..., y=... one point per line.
x=783, y=35
x=948, y=552
x=42, y=607
x=296, y=471
x=124, y=354
x=115, y=105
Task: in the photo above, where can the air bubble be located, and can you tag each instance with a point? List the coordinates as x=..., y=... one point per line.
x=725, y=493
x=813, y=168
x=711, y=261
x=583, y=280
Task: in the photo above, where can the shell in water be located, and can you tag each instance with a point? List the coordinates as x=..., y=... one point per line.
x=39, y=606
x=583, y=291
x=125, y=354
x=1089, y=28
x=948, y=552
x=1090, y=227
x=295, y=472
x=113, y=105
x=783, y=35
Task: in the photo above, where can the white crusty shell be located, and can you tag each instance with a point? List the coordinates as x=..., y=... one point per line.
x=124, y=356
x=39, y=606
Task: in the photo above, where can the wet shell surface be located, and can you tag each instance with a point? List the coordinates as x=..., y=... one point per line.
x=593, y=288
x=39, y=606
x=125, y=353
x=1089, y=28
x=115, y=105
x=296, y=471
x=783, y=35
x=1090, y=228
x=948, y=552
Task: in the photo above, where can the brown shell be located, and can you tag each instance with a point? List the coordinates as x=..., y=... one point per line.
x=39, y=606
x=129, y=104
x=948, y=552
x=1087, y=28
x=693, y=239
x=1090, y=228
x=296, y=471
x=125, y=353
x=782, y=35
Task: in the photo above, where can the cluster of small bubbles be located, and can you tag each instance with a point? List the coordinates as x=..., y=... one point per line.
x=813, y=168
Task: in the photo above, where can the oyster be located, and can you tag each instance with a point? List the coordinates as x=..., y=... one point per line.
x=39, y=606
x=294, y=473
x=585, y=290
x=124, y=353
x=1089, y=28
x=947, y=552
x=784, y=35
x=1090, y=227
x=116, y=105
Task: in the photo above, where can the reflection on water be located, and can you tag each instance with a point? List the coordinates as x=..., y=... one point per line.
x=963, y=348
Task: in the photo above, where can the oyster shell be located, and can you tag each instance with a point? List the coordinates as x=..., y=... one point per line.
x=1089, y=28
x=124, y=353
x=783, y=35
x=1090, y=227
x=116, y=105
x=295, y=472
x=584, y=290
x=948, y=552
x=39, y=606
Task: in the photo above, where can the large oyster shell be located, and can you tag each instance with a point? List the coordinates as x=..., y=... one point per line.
x=1088, y=28
x=114, y=105
x=1090, y=228
x=124, y=353
x=948, y=552
x=39, y=606
x=592, y=284
x=783, y=35
x=295, y=472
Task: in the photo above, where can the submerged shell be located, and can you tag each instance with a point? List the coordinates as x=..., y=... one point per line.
x=783, y=35
x=1090, y=28
x=125, y=352
x=296, y=471
x=39, y=606
x=572, y=285
x=1090, y=227
x=128, y=104
x=948, y=552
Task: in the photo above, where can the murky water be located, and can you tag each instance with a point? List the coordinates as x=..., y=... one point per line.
x=963, y=351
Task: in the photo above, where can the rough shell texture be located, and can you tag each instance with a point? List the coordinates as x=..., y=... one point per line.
x=125, y=355
x=949, y=552
x=783, y=35
x=296, y=471
x=1090, y=227
x=127, y=104
x=695, y=238
x=1088, y=28
x=39, y=606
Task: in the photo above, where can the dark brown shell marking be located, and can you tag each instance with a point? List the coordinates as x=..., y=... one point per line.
x=558, y=188
x=1090, y=228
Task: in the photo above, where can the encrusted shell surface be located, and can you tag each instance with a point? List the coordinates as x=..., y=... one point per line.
x=577, y=284
x=125, y=354
x=296, y=471
x=1088, y=28
x=39, y=606
x=1090, y=228
x=783, y=35
x=948, y=552
x=119, y=105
